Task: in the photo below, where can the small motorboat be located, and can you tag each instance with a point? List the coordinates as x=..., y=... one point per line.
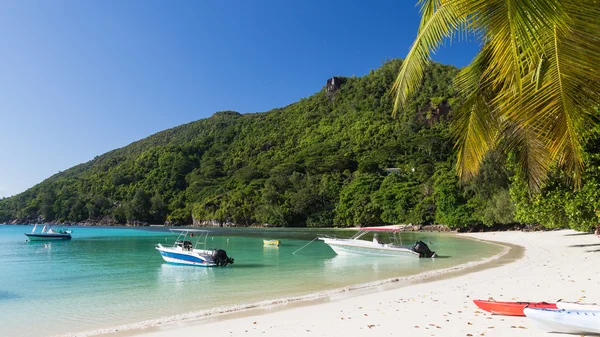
x=271, y=242
x=579, y=322
x=511, y=308
x=356, y=245
x=185, y=252
x=578, y=306
x=49, y=233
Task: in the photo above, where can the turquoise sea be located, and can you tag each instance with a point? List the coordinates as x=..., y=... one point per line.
x=108, y=277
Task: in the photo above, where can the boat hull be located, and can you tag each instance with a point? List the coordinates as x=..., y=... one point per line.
x=565, y=321
x=361, y=247
x=189, y=258
x=271, y=242
x=511, y=308
x=578, y=306
x=46, y=237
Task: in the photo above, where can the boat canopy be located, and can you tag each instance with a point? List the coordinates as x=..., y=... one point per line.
x=392, y=228
x=188, y=230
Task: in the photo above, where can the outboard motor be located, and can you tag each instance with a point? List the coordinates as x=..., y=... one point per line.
x=220, y=257
x=423, y=250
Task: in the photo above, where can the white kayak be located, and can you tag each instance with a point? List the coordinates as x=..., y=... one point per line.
x=565, y=321
x=578, y=306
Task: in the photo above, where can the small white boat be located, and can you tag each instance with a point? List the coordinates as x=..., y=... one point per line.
x=185, y=252
x=48, y=233
x=578, y=306
x=356, y=245
x=565, y=321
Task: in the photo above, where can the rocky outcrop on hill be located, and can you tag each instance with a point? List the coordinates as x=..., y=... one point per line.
x=102, y=221
x=424, y=228
x=213, y=223
x=27, y=220
x=333, y=84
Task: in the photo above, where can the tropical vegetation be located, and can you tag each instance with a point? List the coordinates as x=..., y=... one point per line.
x=337, y=158
x=531, y=90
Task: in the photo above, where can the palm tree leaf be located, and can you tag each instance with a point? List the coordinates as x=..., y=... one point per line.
x=530, y=149
x=439, y=23
x=428, y=7
x=516, y=37
x=533, y=87
x=564, y=103
x=475, y=123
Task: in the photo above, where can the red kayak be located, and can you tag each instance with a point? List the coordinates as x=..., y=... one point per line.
x=511, y=308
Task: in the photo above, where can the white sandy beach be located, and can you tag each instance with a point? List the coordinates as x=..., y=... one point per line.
x=555, y=265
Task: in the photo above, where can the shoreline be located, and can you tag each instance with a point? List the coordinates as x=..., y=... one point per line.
x=508, y=251
x=552, y=265
x=404, y=228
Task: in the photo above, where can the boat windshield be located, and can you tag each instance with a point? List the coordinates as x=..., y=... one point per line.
x=190, y=239
x=393, y=237
x=358, y=235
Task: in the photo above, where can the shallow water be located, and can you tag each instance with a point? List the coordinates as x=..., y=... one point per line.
x=106, y=277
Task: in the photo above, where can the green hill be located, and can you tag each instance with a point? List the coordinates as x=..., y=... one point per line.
x=323, y=161
x=317, y=162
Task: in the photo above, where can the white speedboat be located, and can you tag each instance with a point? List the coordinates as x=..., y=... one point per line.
x=356, y=245
x=565, y=321
x=48, y=233
x=185, y=252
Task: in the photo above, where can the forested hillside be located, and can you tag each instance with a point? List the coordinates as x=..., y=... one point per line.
x=337, y=158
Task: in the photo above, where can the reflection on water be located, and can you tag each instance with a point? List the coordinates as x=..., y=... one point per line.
x=353, y=261
x=252, y=266
x=177, y=277
x=271, y=253
x=372, y=268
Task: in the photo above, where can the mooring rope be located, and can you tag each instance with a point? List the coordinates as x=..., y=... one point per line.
x=297, y=250
x=151, y=255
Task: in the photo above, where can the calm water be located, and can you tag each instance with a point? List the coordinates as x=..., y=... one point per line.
x=107, y=277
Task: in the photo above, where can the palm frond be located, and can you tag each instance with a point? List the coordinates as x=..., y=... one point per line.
x=516, y=42
x=533, y=86
x=531, y=152
x=428, y=7
x=442, y=21
x=564, y=103
x=475, y=123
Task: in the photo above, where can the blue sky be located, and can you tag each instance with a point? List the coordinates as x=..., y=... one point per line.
x=80, y=78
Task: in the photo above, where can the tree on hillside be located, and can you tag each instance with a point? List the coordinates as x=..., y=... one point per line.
x=139, y=206
x=532, y=87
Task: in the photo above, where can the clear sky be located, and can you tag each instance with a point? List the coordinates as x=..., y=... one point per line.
x=80, y=78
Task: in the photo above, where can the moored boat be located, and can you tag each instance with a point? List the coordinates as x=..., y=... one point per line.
x=271, y=242
x=511, y=308
x=376, y=247
x=580, y=322
x=185, y=252
x=49, y=233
